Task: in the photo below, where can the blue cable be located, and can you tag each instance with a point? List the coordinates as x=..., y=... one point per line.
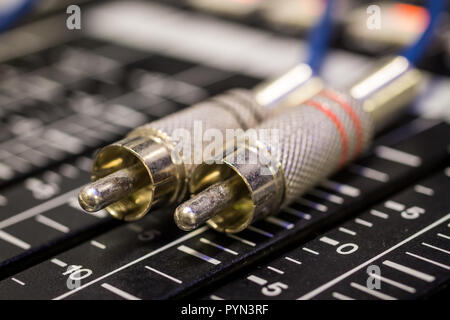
x=319, y=38
x=416, y=50
x=8, y=17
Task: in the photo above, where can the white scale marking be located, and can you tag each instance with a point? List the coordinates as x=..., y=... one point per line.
x=336, y=280
x=313, y=205
x=297, y=213
x=98, y=244
x=63, y=140
x=119, y=292
x=393, y=283
x=164, y=275
x=13, y=240
x=214, y=297
x=394, y=205
x=310, y=251
x=199, y=255
x=293, y=260
x=428, y=260
x=341, y=188
x=245, y=241
x=52, y=223
x=435, y=248
x=364, y=222
x=48, y=205
x=257, y=230
x=209, y=242
x=443, y=236
x=341, y=296
x=85, y=164
x=148, y=255
x=275, y=270
x=18, y=281
x=257, y=280
x=347, y=231
x=398, y=156
x=3, y=201
x=59, y=263
x=19, y=164
x=412, y=272
x=198, y=74
x=6, y=172
x=52, y=176
x=327, y=196
x=372, y=292
x=447, y=172
x=68, y=171
x=379, y=214
x=423, y=190
x=134, y=227
x=329, y=241
x=369, y=173
x=279, y=222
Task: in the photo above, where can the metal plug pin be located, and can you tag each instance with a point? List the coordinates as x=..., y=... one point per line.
x=101, y=193
x=208, y=203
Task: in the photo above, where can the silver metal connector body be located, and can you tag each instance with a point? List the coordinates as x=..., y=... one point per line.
x=282, y=93
x=315, y=139
x=151, y=166
x=386, y=91
x=153, y=150
x=253, y=178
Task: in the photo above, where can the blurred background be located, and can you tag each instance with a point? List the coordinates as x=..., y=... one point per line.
x=53, y=70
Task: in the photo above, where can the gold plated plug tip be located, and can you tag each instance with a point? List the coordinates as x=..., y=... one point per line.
x=207, y=204
x=133, y=175
x=109, y=189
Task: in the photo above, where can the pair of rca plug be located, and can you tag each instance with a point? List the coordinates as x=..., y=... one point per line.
x=319, y=131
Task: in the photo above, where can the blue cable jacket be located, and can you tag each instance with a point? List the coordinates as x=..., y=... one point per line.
x=416, y=50
x=319, y=38
x=8, y=18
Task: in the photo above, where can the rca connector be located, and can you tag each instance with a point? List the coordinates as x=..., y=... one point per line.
x=315, y=139
x=149, y=166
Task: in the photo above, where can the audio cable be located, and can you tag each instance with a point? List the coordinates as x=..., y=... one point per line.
x=149, y=168
x=259, y=174
x=11, y=15
x=416, y=50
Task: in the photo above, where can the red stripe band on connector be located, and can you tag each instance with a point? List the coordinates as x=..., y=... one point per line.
x=351, y=113
x=339, y=126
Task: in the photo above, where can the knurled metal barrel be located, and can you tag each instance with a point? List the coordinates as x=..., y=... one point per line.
x=292, y=152
x=317, y=138
x=156, y=160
